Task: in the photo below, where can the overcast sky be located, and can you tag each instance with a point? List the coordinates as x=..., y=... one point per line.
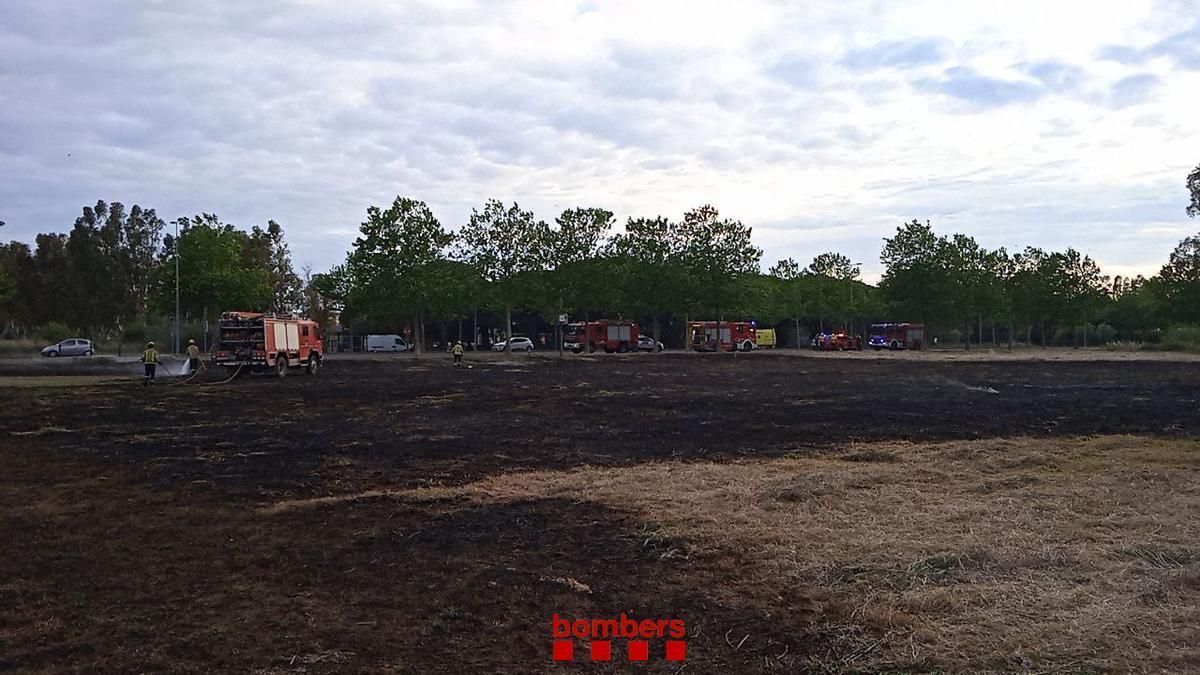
x=821, y=124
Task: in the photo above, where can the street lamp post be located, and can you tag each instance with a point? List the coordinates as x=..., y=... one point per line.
x=858, y=266
x=177, y=287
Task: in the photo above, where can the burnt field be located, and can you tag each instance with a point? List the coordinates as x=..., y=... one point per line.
x=800, y=513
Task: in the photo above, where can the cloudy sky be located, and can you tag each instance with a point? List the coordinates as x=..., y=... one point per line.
x=821, y=124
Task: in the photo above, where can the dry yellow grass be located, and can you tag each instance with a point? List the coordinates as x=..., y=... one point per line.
x=1021, y=553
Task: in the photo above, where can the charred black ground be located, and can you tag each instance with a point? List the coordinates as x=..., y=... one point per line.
x=134, y=539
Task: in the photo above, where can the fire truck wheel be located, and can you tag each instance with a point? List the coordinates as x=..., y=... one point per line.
x=281, y=366
x=895, y=345
x=314, y=364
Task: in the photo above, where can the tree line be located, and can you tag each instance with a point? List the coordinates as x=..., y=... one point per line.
x=116, y=268
x=405, y=269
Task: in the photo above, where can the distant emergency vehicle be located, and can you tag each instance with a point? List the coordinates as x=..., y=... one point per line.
x=707, y=336
x=610, y=335
x=837, y=342
x=897, y=336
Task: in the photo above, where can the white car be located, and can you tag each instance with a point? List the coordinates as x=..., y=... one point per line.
x=647, y=343
x=71, y=347
x=519, y=344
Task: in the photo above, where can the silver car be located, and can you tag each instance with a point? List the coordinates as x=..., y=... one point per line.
x=519, y=344
x=70, y=347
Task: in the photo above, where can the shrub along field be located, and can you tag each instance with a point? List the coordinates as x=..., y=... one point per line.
x=812, y=512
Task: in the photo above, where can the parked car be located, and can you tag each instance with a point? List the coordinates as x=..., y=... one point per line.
x=647, y=343
x=519, y=344
x=70, y=347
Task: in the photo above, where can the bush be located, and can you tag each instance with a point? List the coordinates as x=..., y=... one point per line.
x=55, y=331
x=1182, y=339
x=1105, y=333
x=134, y=333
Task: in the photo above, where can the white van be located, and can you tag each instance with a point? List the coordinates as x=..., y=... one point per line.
x=386, y=343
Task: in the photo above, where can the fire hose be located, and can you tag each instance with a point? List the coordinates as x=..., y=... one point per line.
x=226, y=380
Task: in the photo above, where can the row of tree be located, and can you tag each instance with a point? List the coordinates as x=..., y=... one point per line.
x=406, y=269
x=116, y=266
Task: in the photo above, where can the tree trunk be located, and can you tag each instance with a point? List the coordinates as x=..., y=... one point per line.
x=657, y=335
x=980, y=340
x=507, y=328
x=796, y=320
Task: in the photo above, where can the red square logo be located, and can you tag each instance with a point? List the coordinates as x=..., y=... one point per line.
x=602, y=650
x=676, y=650
x=564, y=650
x=639, y=650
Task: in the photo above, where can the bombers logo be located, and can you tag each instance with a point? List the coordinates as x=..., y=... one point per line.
x=600, y=632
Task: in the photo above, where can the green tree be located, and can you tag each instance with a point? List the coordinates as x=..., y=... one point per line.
x=314, y=304
x=395, y=269
x=1193, y=186
x=507, y=247
x=1136, y=307
x=833, y=281
x=791, y=295
x=216, y=270
x=970, y=282
x=287, y=289
x=8, y=283
x=1029, y=290
x=112, y=253
x=835, y=266
x=647, y=258
x=916, y=282
x=51, y=272
x=1181, y=281
x=719, y=254
x=580, y=275
x=1084, y=289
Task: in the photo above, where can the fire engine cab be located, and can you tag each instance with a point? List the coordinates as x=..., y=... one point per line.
x=706, y=336
x=260, y=341
x=609, y=335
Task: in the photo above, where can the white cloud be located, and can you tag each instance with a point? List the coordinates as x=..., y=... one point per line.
x=824, y=125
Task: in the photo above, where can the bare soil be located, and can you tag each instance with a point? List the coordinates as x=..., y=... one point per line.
x=800, y=514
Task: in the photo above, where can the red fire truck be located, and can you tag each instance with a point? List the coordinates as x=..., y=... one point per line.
x=837, y=342
x=897, y=336
x=260, y=341
x=704, y=336
x=611, y=335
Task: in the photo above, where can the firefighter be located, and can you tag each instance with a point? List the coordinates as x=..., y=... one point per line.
x=149, y=361
x=193, y=353
x=457, y=350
